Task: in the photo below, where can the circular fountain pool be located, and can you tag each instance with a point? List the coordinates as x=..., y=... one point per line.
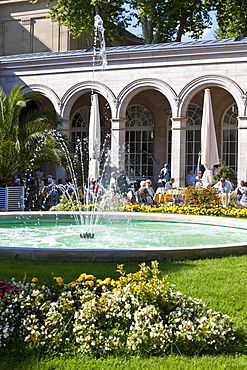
x=120, y=236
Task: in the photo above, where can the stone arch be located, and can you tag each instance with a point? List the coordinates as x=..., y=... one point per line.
x=137, y=86
x=202, y=82
x=46, y=92
x=77, y=90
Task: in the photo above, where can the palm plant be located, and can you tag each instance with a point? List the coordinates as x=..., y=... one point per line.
x=26, y=140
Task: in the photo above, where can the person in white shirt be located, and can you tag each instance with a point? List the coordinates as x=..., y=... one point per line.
x=149, y=187
x=223, y=186
x=169, y=184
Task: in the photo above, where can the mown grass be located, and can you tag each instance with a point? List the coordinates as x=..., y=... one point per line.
x=221, y=283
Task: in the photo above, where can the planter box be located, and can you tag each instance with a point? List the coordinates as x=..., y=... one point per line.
x=12, y=198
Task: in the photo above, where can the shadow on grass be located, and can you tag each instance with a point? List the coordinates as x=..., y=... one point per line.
x=17, y=357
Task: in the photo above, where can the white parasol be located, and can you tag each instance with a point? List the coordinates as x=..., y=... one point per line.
x=209, y=147
x=94, y=139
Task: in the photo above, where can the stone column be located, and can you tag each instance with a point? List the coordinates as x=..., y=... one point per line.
x=178, y=150
x=242, y=148
x=2, y=36
x=65, y=130
x=118, y=143
x=160, y=149
x=27, y=37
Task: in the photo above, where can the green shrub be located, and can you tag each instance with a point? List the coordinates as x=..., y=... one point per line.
x=223, y=171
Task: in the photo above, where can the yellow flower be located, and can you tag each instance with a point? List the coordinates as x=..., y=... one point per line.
x=89, y=282
x=34, y=280
x=59, y=280
x=90, y=277
x=81, y=277
x=72, y=284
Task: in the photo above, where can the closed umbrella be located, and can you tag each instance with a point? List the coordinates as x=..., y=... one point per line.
x=94, y=139
x=209, y=156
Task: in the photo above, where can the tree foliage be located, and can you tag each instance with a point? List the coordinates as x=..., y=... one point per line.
x=165, y=21
x=78, y=15
x=160, y=20
x=25, y=140
x=231, y=17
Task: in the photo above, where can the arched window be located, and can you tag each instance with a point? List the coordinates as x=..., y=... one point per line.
x=230, y=137
x=139, y=142
x=79, y=125
x=193, y=137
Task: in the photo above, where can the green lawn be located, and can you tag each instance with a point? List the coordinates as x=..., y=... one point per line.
x=221, y=283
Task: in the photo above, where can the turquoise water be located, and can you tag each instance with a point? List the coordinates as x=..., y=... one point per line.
x=119, y=235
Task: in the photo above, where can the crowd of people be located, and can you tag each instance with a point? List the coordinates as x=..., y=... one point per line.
x=192, y=179
x=43, y=193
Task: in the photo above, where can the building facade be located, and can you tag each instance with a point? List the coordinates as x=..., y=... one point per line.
x=151, y=99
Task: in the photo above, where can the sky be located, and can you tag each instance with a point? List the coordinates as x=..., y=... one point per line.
x=207, y=35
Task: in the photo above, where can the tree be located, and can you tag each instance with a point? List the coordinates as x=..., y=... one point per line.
x=78, y=15
x=26, y=141
x=231, y=17
x=161, y=21
x=165, y=21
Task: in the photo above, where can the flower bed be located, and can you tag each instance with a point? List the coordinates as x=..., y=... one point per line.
x=140, y=313
x=200, y=208
x=188, y=210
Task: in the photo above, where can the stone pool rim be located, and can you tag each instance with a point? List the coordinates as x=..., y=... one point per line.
x=101, y=255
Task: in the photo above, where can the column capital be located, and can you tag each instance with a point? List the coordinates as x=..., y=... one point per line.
x=242, y=122
x=118, y=123
x=179, y=123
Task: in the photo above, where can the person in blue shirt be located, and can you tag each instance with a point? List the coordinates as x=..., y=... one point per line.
x=191, y=179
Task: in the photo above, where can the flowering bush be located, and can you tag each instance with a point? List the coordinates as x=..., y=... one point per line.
x=140, y=313
x=197, y=196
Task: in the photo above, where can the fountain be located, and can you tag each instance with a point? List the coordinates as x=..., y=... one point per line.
x=93, y=235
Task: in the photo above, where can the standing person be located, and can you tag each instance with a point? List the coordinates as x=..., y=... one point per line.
x=95, y=191
x=32, y=194
x=113, y=184
x=164, y=175
x=61, y=187
x=41, y=191
x=123, y=183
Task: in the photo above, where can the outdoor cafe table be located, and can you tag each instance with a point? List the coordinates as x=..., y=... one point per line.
x=169, y=196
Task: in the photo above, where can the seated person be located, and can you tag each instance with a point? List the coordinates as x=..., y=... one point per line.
x=223, y=186
x=144, y=194
x=160, y=190
x=149, y=187
x=199, y=179
x=191, y=179
x=243, y=200
x=169, y=184
x=240, y=189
